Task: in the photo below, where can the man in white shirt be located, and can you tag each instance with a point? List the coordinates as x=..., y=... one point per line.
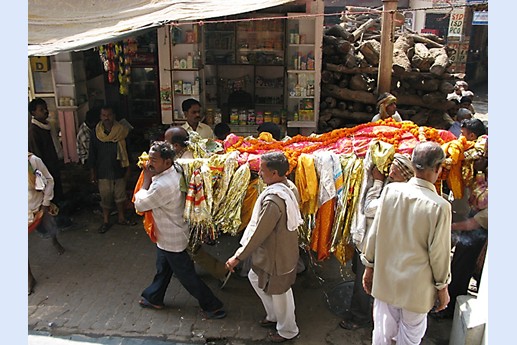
x=407, y=252
x=192, y=111
x=41, y=192
x=160, y=193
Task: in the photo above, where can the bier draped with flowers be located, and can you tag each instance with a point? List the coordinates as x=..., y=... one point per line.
x=218, y=182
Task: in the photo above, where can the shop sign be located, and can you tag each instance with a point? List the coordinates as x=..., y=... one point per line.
x=456, y=23
x=459, y=56
x=39, y=63
x=480, y=18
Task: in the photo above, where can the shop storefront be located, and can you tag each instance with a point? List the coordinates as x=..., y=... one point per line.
x=259, y=66
x=245, y=69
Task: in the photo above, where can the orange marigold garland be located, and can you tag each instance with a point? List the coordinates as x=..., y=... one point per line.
x=402, y=135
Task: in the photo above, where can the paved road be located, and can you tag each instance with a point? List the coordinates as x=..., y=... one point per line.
x=92, y=290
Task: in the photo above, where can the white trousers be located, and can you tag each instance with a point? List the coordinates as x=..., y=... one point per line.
x=279, y=308
x=392, y=323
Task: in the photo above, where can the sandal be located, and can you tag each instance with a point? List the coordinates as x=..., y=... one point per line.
x=146, y=304
x=277, y=338
x=104, y=227
x=352, y=325
x=266, y=323
x=127, y=222
x=216, y=314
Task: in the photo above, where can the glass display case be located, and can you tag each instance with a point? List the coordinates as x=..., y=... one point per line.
x=143, y=103
x=220, y=43
x=260, y=42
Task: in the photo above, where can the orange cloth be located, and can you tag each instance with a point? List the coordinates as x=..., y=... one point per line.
x=321, y=235
x=148, y=215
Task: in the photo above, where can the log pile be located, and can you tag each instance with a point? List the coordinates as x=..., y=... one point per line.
x=420, y=76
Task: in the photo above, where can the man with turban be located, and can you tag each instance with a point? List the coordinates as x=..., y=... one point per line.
x=387, y=104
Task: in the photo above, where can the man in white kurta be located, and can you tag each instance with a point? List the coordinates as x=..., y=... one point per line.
x=407, y=252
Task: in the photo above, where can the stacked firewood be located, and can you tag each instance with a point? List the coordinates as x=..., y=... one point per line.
x=420, y=76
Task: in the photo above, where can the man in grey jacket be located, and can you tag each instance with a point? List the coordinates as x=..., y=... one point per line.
x=271, y=239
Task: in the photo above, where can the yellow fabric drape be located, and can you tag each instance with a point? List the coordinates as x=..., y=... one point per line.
x=248, y=203
x=454, y=160
x=117, y=135
x=306, y=181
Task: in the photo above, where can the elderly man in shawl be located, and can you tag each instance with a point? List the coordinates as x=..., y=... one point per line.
x=109, y=165
x=387, y=104
x=271, y=239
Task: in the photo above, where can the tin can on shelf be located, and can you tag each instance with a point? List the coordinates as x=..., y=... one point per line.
x=259, y=118
x=243, y=118
x=276, y=118
x=251, y=116
x=234, y=117
x=268, y=117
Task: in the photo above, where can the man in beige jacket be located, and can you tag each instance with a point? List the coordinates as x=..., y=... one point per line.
x=271, y=239
x=407, y=252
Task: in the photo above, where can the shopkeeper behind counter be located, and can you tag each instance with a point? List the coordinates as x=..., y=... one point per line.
x=192, y=111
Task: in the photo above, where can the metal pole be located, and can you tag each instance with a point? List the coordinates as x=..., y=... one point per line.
x=387, y=40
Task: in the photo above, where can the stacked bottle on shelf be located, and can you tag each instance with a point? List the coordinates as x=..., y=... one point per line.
x=301, y=85
x=252, y=117
x=191, y=61
x=302, y=62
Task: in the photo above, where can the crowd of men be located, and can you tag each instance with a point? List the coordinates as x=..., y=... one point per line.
x=402, y=258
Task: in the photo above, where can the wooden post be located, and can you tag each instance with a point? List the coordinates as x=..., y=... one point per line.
x=387, y=39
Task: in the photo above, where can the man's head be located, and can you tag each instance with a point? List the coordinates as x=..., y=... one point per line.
x=465, y=102
x=192, y=111
x=273, y=167
x=272, y=128
x=463, y=114
x=472, y=128
x=92, y=117
x=452, y=111
x=427, y=160
x=178, y=137
x=401, y=170
x=107, y=116
x=461, y=85
x=387, y=102
x=38, y=109
x=161, y=156
x=221, y=130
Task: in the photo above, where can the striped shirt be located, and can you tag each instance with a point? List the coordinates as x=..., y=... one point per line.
x=83, y=142
x=167, y=203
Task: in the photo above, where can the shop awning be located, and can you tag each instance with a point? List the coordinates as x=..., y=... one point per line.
x=66, y=25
